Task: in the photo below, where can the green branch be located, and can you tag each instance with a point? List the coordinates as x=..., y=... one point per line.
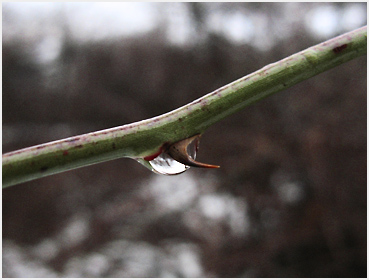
x=144, y=138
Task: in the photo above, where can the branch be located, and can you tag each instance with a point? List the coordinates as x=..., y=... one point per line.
x=146, y=138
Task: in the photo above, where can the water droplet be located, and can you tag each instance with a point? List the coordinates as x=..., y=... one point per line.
x=177, y=158
x=164, y=164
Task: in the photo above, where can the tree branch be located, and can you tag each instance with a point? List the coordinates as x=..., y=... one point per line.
x=145, y=138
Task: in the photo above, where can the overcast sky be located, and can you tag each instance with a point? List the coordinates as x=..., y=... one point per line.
x=100, y=20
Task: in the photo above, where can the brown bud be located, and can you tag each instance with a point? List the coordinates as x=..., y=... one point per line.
x=179, y=152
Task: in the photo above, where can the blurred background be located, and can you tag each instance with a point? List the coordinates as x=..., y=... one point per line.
x=290, y=197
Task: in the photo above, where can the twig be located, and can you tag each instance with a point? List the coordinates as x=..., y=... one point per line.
x=144, y=139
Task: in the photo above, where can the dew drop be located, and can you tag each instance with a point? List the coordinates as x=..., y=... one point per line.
x=164, y=164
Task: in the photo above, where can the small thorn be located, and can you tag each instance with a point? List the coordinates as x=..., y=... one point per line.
x=178, y=151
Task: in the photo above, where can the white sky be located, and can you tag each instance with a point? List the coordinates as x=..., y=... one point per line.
x=88, y=20
x=100, y=20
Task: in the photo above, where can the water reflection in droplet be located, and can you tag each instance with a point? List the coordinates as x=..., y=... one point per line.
x=164, y=164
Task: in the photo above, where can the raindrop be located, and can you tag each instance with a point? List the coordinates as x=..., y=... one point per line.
x=164, y=164
x=177, y=158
